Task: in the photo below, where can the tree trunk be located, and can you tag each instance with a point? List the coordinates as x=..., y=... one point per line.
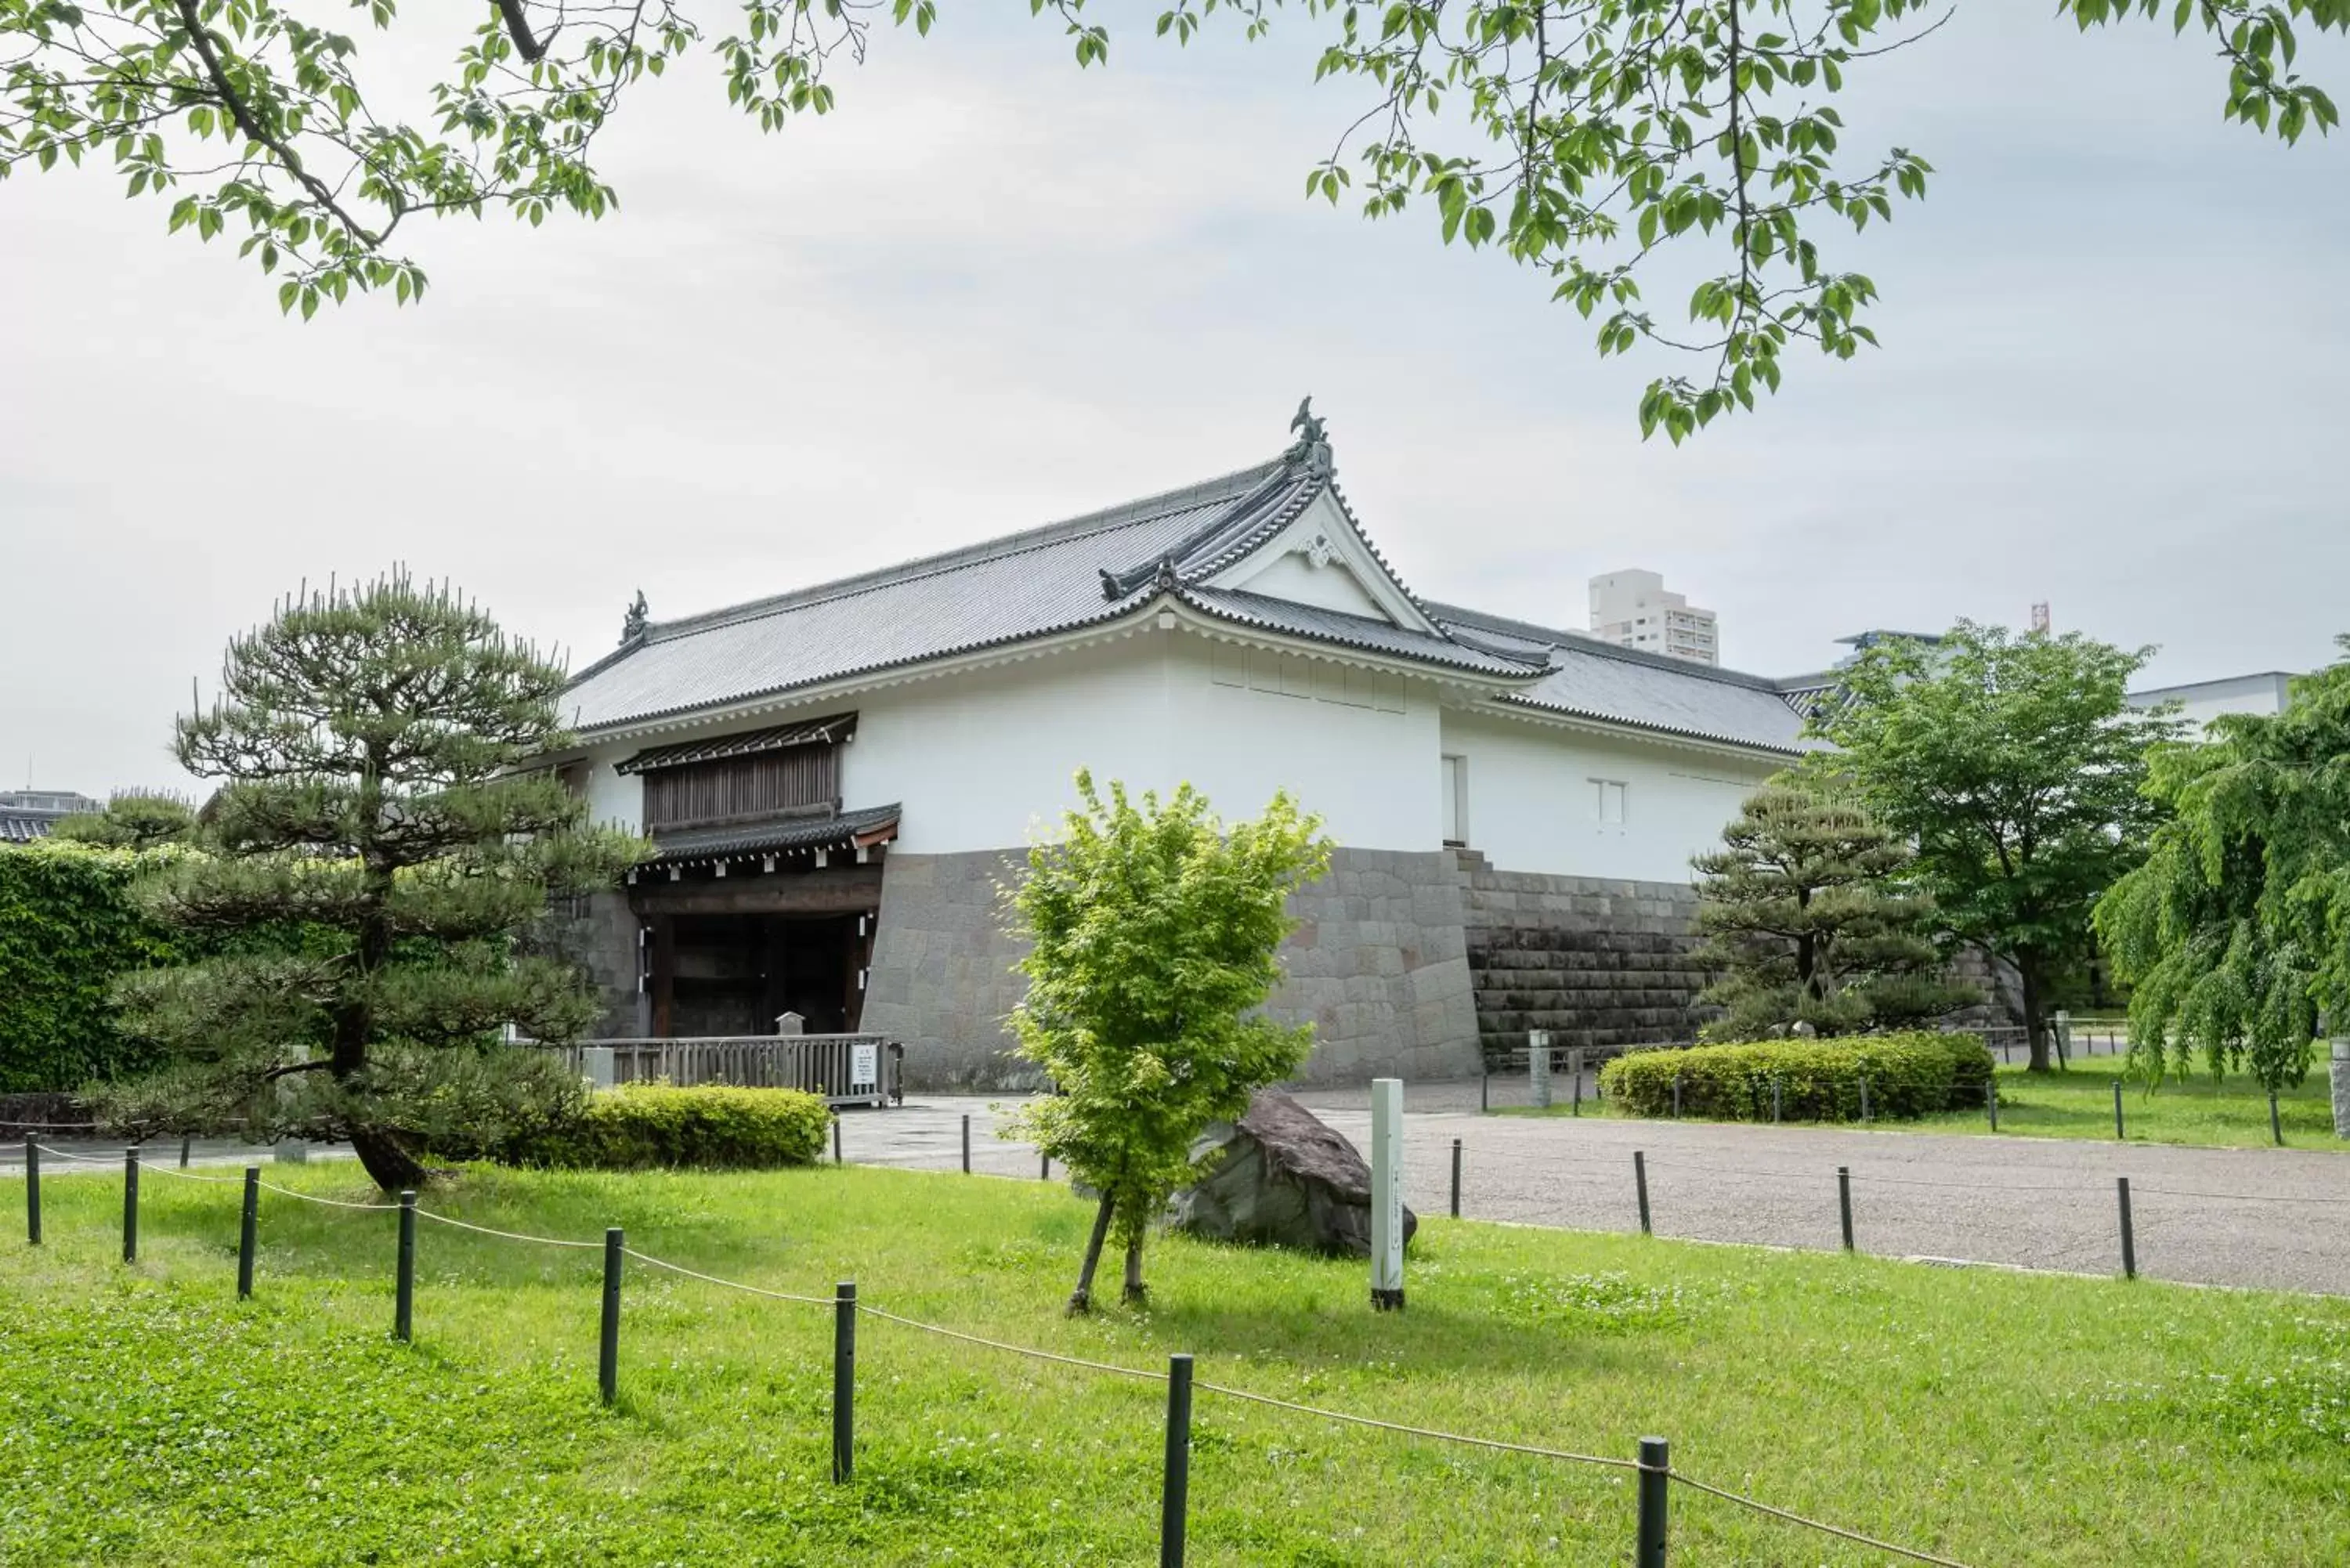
x=1081, y=1300
x=386, y=1159
x=1137, y=1293
x=2036, y=1027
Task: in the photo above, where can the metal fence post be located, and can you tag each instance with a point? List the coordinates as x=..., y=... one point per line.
x=130, y=1204
x=1575, y=1066
x=1640, y=1185
x=1044, y=1168
x=1864, y=1099
x=607, y=1357
x=966, y=1143
x=1844, y=1202
x=403, y=1309
x=248, y=1227
x=185, y=1141
x=2129, y=1241
x=1176, y=1498
x=835, y=1138
x=844, y=1380
x=1991, y=1103
x=1774, y=1099
x=32, y=1190
x=1456, y=1178
x=1655, y=1476
x=1485, y=1089
x=2117, y=1110
x=1677, y=1096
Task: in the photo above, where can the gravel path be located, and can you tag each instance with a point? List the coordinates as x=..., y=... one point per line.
x=2040, y=1203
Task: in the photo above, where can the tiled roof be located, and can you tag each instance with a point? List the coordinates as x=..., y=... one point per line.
x=23, y=827
x=745, y=743
x=1054, y=579
x=848, y=830
x=1099, y=567
x=1594, y=680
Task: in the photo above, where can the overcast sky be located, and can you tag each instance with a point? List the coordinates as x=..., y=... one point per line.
x=990, y=291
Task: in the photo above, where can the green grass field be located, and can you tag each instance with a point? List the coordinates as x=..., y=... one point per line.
x=147, y=1418
x=2232, y=1113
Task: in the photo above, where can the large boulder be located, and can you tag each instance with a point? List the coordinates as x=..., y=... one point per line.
x=1279, y=1177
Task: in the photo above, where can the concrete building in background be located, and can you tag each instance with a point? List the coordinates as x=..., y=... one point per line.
x=2201, y=702
x=837, y=781
x=1632, y=609
x=29, y=813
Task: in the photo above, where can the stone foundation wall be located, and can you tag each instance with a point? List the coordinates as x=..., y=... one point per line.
x=599, y=934
x=1379, y=967
x=1597, y=962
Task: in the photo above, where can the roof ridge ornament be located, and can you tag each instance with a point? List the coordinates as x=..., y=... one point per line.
x=632, y=626
x=1311, y=450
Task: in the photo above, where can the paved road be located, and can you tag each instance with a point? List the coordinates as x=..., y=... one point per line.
x=2042, y=1203
x=95, y=1153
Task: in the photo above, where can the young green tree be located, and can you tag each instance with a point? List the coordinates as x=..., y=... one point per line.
x=1805, y=918
x=1153, y=934
x=1596, y=141
x=2013, y=765
x=133, y=820
x=382, y=842
x=2235, y=933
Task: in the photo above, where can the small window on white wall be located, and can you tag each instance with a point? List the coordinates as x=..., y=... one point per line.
x=1610, y=799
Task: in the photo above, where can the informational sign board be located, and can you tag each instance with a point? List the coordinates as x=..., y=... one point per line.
x=864, y=1067
x=1386, y=1194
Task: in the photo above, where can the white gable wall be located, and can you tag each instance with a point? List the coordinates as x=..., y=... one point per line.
x=1295, y=577
x=1534, y=802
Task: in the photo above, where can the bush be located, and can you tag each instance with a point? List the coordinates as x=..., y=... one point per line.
x=1908, y=1074
x=639, y=1127
x=67, y=929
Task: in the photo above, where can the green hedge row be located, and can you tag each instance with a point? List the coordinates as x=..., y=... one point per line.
x=67, y=929
x=1908, y=1074
x=640, y=1127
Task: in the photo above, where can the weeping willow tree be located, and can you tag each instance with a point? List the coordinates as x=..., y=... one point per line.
x=2235, y=933
x=377, y=850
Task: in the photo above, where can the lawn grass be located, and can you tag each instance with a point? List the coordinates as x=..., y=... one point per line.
x=147, y=1418
x=2231, y=1113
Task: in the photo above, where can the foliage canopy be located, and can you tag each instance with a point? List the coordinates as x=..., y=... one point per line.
x=1153, y=934
x=1587, y=138
x=1804, y=915
x=2236, y=930
x=68, y=926
x=2013, y=766
x=131, y=821
x=374, y=742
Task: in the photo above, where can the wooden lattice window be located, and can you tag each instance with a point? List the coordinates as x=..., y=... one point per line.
x=796, y=781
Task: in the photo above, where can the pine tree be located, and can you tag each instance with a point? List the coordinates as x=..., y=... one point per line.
x=133, y=819
x=1806, y=922
x=378, y=848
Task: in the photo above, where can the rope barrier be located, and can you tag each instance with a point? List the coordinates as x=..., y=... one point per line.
x=188, y=1175
x=1013, y=1349
x=2242, y=1196
x=84, y=1158
x=487, y=1230
x=1353, y=1420
x=1825, y=1529
x=649, y=1258
x=329, y=1202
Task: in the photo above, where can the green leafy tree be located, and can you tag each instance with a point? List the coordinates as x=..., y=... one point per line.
x=2235, y=933
x=1806, y=919
x=1153, y=934
x=380, y=832
x=132, y=820
x=2013, y=765
x=1590, y=139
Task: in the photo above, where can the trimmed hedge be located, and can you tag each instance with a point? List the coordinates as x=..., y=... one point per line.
x=640, y=1127
x=1910, y=1074
x=67, y=929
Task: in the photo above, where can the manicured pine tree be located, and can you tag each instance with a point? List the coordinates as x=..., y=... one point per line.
x=135, y=819
x=1153, y=935
x=1806, y=921
x=378, y=847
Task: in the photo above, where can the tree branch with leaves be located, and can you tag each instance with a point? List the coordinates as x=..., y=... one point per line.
x=1587, y=138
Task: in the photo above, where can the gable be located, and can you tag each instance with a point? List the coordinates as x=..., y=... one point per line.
x=1319, y=558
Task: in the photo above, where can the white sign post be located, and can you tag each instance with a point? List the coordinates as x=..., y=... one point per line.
x=1538, y=1066
x=1386, y=1194
x=864, y=1067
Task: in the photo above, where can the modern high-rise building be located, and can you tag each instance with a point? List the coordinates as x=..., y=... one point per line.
x=1632, y=609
